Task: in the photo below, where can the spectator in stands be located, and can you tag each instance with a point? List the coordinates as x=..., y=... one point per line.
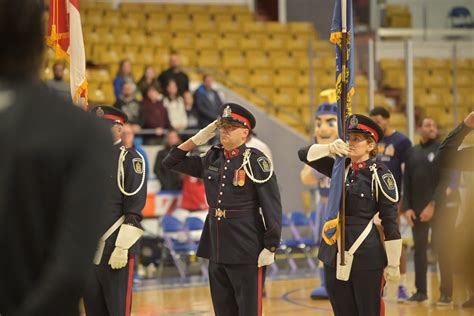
x=174, y=103
x=392, y=151
x=169, y=180
x=57, y=84
x=129, y=141
x=156, y=115
x=124, y=74
x=146, y=80
x=207, y=102
x=424, y=193
x=174, y=73
x=52, y=179
x=191, y=111
x=130, y=106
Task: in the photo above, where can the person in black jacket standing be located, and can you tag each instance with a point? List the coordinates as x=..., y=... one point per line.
x=422, y=189
x=51, y=177
x=238, y=240
x=109, y=289
x=371, y=190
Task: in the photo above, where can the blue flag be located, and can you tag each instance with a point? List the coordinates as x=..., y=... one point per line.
x=331, y=229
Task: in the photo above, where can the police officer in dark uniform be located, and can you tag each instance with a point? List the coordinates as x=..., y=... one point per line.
x=238, y=238
x=109, y=289
x=356, y=289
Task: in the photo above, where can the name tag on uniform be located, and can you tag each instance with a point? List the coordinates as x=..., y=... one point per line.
x=212, y=168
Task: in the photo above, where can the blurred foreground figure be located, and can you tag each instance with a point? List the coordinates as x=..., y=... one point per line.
x=451, y=156
x=51, y=177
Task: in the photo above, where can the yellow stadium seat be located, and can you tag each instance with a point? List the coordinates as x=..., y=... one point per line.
x=284, y=99
x=257, y=59
x=261, y=79
x=229, y=27
x=162, y=58
x=112, y=21
x=223, y=17
x=207, y=41
x=94, y=18
x=436, y=63
x=227, y=43
x=147, y=50
x=303, y=81
x=239, y=75
x=253, y=27
x=147, y=58
x=91, y=38
x=99, y=75
x=116, y=48
x=278, y=54
x=301, y=28
x=302, y=100
x=209, y=59
x=218, y=8
x=323, y=47
x=138, y=38
x=232, y=59
x=276, y=28
x=182, y=41
x=197, y=8
x=361, y=81
x=160, y=40
x=244, y=17
x=298, y=43
x=249, y=43
x=204, y=26
x=181, y=24
x=131, y=7
x=124, y=39
x=96, y=96
x=285, y=80
x=265, y=91
x=188, y=57
x=153, y=25
x=133, y=23
x=464, y=78
x=132, y=56
x=101, y=30
x=238, y=8
x=175, y=8
x=109, y=57
x=273, y=44
x=284, y=62
x=154, y=8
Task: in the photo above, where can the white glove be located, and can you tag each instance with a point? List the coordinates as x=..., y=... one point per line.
x=265, y=258
x=393, y=248
x=127, y=237
x=318, y=151
x=339, y=147
x=205, y=134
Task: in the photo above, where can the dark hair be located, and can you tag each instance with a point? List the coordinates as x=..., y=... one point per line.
x=378, y=110
x=122, y=62
x=204, y=77
x=22, y=32
x=420, y=120
x=370, y=139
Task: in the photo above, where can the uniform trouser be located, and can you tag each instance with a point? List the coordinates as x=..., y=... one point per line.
x=420, y=239
x=361, y=295
x=109, y=291
x=442, y=235
x=236, y=289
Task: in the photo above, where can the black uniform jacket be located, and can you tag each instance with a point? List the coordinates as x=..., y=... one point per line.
x=119, y=204
x=240, y=236
x=51, y=196
x=361, y=206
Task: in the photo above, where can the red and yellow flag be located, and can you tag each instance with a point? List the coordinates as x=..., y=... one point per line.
x=65, y=37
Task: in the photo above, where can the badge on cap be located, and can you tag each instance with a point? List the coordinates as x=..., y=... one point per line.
x=227, y=112
x=99, y=112
x=353, y=122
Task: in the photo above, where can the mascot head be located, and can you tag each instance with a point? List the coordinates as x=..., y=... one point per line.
x=325, y=125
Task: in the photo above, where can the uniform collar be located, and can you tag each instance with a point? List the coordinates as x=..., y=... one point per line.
x=361, y=165
x=232, y=153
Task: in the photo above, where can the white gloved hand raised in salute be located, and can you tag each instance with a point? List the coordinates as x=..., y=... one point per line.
x=318, y=151
x=205, y=134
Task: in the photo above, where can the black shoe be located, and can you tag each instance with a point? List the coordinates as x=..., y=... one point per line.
x=445, y=300
x=418, y=297
x=469, y=303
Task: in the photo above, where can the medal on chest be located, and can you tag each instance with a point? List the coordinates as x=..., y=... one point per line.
x=239, y=178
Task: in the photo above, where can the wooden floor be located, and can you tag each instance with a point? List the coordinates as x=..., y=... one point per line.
x=288, y=297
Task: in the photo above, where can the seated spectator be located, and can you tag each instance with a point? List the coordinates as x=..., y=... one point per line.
x=207, y=102
x=129, y=141
x=156, y=116
x=191, y=112
x=175, y=106
x=57, y=84
x=169, y=180
x=124, y=74
x=174, y=73
x=130, y=106
x=146, y=80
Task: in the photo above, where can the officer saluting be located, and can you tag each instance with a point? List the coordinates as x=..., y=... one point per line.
x=238, y=241
x=356, y=288
x=109, y=290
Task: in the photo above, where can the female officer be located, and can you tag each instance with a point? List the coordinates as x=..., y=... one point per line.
x=370, y=190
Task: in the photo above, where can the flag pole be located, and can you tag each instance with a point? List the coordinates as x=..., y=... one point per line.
x=344, y=84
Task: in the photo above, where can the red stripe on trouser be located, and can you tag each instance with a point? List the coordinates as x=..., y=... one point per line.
x=382, y=304
x=128, y=305
x=260, y=290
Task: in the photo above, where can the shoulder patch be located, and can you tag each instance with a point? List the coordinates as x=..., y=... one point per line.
x=264, y=163
x=137, y=165
x=389, y=181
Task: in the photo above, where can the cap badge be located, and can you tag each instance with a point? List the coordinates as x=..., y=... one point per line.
x=227, y=112
x=99, y=112
x=353, y=122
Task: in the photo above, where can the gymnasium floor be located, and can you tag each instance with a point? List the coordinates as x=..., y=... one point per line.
x=285, y=297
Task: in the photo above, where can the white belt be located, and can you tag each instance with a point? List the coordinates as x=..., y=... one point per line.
x=104, y=237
